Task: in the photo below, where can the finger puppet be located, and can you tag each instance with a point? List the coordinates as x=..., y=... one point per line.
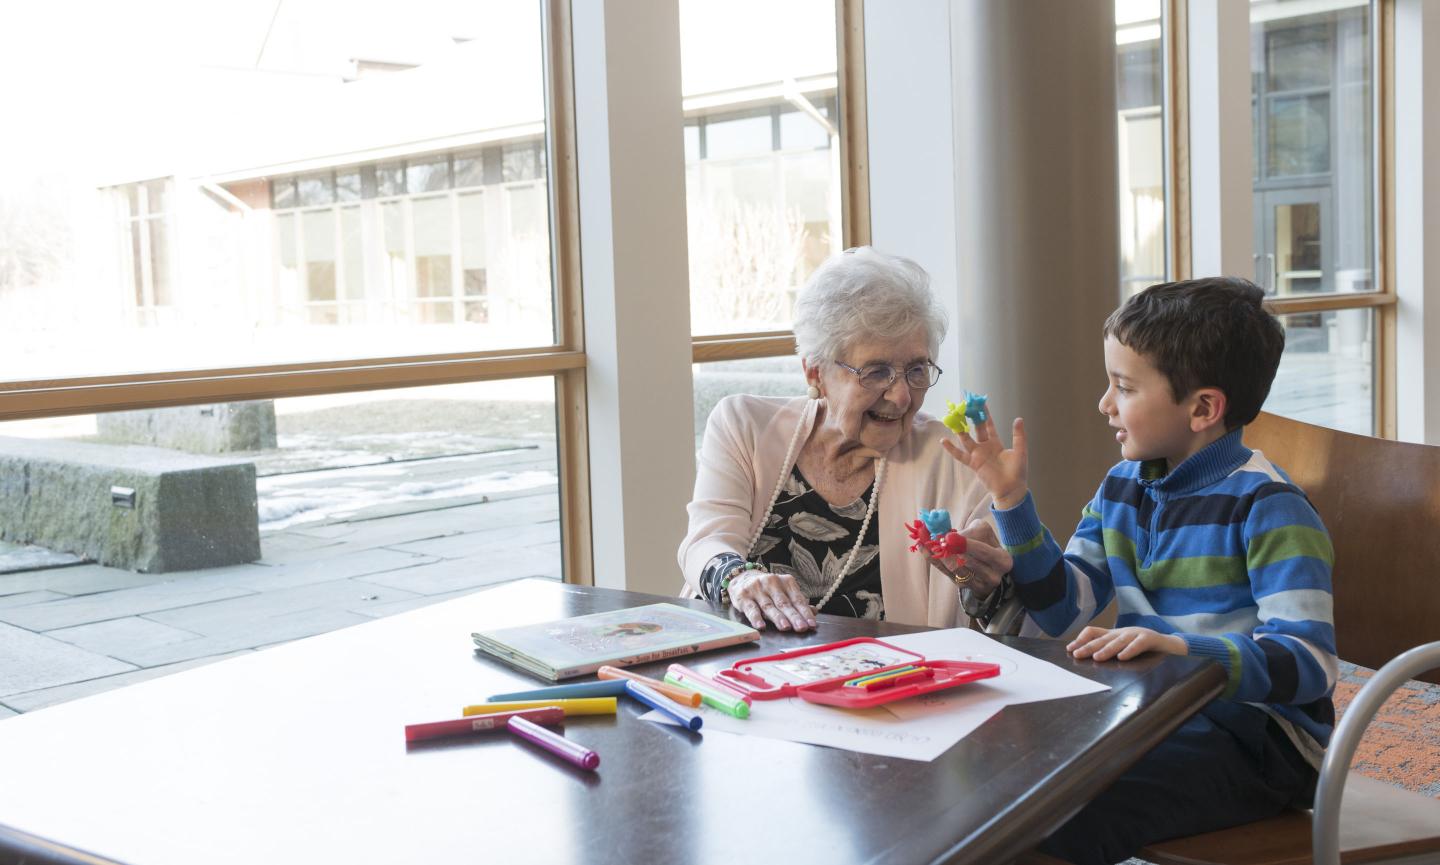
x=969, y=412
x=932, y=531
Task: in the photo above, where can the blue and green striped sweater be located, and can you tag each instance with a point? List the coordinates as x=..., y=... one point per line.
x=1223, y=551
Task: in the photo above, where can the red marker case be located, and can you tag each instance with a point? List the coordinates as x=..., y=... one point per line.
x=817, y=674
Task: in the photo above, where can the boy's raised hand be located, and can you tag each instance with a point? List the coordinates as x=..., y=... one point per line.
x=1004, y=471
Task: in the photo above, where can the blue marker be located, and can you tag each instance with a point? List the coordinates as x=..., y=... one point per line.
x=656, y=700
x=614, y=688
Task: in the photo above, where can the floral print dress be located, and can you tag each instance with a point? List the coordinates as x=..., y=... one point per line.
x=810, y=539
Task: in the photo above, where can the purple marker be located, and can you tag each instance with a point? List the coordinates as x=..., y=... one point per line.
x=554, y=743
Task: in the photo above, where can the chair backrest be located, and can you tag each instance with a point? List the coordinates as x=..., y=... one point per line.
x=1380, y=500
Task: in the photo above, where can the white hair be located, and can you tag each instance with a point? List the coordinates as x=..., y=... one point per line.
x=865, y=294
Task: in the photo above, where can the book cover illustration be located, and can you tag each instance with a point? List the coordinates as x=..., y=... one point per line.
x=634, y=635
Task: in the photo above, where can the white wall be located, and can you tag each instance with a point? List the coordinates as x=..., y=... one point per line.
x=1417, y=219
x=1221, y=205
x=912, y=184
x=1001, y=179
x=634, y=268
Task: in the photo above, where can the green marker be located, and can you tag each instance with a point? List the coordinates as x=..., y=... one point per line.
x=733, y=706
x=883, y=674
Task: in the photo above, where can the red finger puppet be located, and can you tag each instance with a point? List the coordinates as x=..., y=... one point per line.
x=952, y=543
x=919, y=534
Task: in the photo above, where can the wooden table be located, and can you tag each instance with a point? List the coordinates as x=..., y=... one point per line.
x=296, y=754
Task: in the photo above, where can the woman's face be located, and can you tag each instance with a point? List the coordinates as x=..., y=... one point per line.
x=873, y=420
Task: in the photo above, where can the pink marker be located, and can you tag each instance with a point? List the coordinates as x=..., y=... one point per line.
x=555, y=743
x=481, y=723
x=685, y=672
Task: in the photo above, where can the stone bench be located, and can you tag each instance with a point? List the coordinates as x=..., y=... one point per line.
x=128, y=506
x=202, y=429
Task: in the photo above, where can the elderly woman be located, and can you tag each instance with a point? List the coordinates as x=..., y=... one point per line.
x=801, y=504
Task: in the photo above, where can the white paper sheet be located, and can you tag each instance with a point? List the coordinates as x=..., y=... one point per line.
x=920, y=728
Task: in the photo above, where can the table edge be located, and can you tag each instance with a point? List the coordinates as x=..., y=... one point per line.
x=18, y=847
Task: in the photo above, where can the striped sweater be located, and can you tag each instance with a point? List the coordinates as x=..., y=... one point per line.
x=1224, y=552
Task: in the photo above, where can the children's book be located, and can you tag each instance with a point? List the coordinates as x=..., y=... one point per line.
x=573, y=647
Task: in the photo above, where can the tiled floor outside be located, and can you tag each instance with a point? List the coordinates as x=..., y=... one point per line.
x=425, y=534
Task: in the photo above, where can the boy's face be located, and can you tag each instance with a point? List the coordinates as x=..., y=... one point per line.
x=1150, y=424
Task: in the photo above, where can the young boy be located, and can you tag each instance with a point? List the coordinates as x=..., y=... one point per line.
x=1209, y=551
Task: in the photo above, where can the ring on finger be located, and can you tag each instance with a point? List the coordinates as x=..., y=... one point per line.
x=962, y=576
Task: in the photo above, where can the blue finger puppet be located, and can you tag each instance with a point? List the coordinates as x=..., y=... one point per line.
x=936, y=521
x=975, y=407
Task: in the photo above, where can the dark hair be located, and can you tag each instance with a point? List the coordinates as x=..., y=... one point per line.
x=1210, y=332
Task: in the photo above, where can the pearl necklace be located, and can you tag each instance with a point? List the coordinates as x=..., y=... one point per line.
x=785, y=467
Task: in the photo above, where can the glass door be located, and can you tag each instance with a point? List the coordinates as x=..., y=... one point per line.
x=1294, y=247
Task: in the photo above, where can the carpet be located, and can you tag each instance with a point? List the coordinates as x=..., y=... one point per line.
x=1402, y=744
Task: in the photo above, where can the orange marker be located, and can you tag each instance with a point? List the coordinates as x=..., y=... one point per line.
x=683, y=696
x=898, y=679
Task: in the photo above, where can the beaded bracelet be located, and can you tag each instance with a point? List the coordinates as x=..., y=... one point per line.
x=735, y=572
x=715, y=571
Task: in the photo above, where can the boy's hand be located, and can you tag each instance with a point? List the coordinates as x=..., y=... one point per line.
x=1003, y=470
x=1102, y=644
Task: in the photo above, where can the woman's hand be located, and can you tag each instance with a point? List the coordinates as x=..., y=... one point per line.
x=1003, y=470
x=777, y=597
x=986, y=562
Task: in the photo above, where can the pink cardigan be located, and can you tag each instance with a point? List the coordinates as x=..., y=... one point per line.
x=745, y=441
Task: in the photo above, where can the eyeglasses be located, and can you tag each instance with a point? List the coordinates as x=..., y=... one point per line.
x=880, y=376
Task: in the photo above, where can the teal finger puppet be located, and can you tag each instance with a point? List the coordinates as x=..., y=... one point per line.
x=937, y=521
x=974, y=407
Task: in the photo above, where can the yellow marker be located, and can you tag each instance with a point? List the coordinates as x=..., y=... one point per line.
x=575, y=706
x=880, y=677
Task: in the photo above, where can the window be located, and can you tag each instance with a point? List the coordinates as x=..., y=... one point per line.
x=1312, y=108
x=326, y=225
x=765, y=136
x=1327, y=373
x=1314, y=150
x=368, y=256
x=762, y=158
x=1140, y=101
x=144, y=267
x=438, y=215
x=764, y=376
x=365, y=505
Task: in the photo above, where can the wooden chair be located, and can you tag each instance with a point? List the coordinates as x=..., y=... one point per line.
x=1381, y=502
